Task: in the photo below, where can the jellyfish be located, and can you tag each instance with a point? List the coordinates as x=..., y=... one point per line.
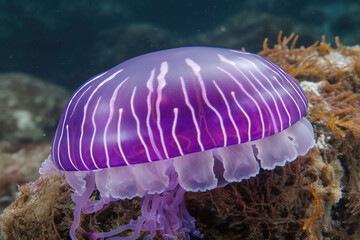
x=172, y=121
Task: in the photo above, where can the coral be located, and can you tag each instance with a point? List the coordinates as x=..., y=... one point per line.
x=41, y=210
x=247, y=210
x=336, y=70
x=332, y=77
x=45, y=209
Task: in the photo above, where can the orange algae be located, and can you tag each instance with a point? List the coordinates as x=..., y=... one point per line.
x=318, y=63
x=309, y=61
x=342, y=109
x=296, y=62
x=340, y=113
x=334, y=111
x=316, y=215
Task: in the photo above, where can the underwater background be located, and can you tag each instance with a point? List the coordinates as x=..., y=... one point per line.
x=49, y=48
x=66, y=42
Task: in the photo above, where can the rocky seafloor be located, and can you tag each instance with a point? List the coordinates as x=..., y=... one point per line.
x=315, y=197
x=28, y=106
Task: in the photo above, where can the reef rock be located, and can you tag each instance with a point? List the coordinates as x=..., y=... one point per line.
x=252, y=27
x=18, y=165
x=30, y=108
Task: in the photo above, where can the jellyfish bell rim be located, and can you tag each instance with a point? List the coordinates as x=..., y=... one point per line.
x=190, y=153
x=232, y=157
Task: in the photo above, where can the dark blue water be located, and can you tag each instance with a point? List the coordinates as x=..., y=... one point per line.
x=66, y=42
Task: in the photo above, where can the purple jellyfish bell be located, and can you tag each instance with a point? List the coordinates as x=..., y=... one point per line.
x=184, y=119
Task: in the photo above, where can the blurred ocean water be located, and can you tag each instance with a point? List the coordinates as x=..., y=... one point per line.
x=66, y=42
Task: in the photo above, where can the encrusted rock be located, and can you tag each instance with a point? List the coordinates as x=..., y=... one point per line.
x=18, y=165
